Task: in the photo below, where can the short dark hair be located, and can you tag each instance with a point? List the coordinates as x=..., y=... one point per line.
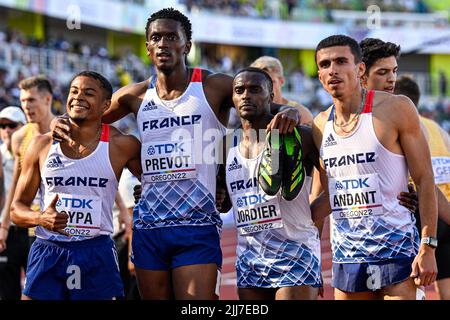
x=406, y=86
x=340, y=40
x=172, y=14
x=39, y=82
x=106, y=85
x=257, y=70
x=376, y=49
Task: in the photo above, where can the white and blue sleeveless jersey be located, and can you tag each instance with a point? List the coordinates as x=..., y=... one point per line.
x=86, y=189
x=368, y=224
x=179, y=141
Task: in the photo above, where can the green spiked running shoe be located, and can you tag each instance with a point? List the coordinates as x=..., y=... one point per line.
x=269, y=171
x=293, y=170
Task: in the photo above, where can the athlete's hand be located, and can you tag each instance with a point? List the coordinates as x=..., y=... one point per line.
x=321, y=291
x=137, y=190
x=53, y=220
x=3, y=237
x=409, y=199
x=424, y=268
x=60, y=128
x=285, y=120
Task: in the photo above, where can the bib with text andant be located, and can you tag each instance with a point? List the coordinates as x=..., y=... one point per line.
x=441, y=169
x=164, y=161
x=256, y=212
x=355, y=197
x=84, y=213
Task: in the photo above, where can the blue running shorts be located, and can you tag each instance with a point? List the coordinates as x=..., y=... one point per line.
x=167, y=248
x=78, y=270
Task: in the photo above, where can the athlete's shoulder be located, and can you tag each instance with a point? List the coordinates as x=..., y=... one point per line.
x=39, y=143
x=385, y=100
x=217, y=79
x=17, y=138
x=121, y=140
x=322, y=118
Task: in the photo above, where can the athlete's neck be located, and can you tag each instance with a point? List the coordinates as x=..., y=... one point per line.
x=256, y=124
x=171, y=85
x=253, y=136
x=346, y=106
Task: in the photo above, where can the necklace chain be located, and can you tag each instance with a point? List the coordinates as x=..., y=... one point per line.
x=355, y=117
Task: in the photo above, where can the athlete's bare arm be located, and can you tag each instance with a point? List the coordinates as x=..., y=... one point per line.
x=320, y=207
x=125, y=100
x=125, y=151
x=27, y=187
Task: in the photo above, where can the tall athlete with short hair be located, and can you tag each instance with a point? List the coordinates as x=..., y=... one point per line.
x=367, y=149
x=74, y=256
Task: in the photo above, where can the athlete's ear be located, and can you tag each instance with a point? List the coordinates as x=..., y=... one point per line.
x=361, y=69
x=364, y=79
x=272, y=95
x=188, y=47
x=319, y=75
x=147, y=48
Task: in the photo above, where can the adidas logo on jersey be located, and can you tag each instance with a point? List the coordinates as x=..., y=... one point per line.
x=151, y=105
x=55, y=163
x=330, y=141
x=234, y=165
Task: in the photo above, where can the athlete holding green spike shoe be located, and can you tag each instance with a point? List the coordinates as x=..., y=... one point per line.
x=278, y=253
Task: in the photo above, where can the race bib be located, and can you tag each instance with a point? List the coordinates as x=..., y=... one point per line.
x=164, y=161
x=441, y=169
x=256, y=212
x=84, y=213
x=355, y=197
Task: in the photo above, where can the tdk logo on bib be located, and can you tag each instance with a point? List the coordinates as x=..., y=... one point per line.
x=352, y=184
x=234, y=165
x=251, y=200
x=55, y=163
x=330, y=141
x=166, y=148
x=151, y=105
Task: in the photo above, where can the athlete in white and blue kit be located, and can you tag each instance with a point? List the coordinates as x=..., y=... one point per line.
x=278, y=252
x=74, y=256
x=368, y=142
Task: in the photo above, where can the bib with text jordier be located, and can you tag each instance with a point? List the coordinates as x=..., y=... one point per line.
x=355, y=196
x=164, y=161
x=84, y=213
x=254, y=212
